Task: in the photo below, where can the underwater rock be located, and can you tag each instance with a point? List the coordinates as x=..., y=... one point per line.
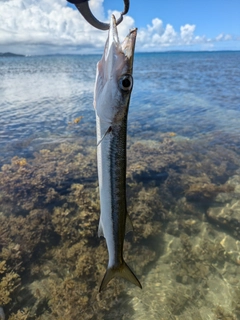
x=206, y=192
x=41, y=181
x=20, y=315
x=222, y=314
x=8, y=283
x=227, y=216
x=148, y=160
x=226, y=212
x=49, y=212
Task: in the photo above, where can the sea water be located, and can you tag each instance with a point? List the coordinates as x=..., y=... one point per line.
x=183, y=185
x=192, y=93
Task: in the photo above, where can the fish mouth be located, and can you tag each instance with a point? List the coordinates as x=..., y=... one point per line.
x=113, y=45
x=113, y=39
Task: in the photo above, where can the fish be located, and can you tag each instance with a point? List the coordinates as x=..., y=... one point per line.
x=113, y=87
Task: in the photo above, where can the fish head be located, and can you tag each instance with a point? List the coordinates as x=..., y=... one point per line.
x=114, y=80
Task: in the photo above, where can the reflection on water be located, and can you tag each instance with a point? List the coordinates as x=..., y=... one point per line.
x=183, y=185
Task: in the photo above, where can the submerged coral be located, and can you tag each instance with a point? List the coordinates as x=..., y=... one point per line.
x=8, y=284
x=52, y=260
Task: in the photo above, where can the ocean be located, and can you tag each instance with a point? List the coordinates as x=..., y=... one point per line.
x=183, y=187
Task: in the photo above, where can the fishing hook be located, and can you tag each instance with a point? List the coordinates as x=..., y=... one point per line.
x=83, y=8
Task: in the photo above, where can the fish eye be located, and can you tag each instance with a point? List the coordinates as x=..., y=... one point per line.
x=126, y=82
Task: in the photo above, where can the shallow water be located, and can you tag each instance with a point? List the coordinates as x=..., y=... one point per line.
x=183, y=184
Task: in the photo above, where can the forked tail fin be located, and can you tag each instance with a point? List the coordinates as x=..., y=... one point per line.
x=122, y=271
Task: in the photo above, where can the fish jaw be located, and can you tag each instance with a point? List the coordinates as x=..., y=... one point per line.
x=110, y=100
x=112, y=93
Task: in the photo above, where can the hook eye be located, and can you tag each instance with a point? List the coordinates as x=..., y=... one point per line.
x=83, y=8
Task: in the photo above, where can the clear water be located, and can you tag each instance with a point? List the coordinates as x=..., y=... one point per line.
x=189, y=93
x=183, y=154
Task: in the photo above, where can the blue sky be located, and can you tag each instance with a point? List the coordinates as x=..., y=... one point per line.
x=211, y=17
x=54, y=26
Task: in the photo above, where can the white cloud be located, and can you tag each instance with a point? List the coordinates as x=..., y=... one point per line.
x=219, y=37
x=157, y=38
x=157, y=26
x=49, y=26
x=36, y=26
x=223, y=37
x=169, y=36
x=187, y=33
x=228, y=37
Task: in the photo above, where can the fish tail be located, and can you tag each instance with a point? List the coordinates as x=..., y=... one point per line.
x=122, y=271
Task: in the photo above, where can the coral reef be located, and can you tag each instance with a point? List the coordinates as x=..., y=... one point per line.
x=51, y=260
x=221, y=314
x=226, y=211
x=20, y=315
x=8, y=284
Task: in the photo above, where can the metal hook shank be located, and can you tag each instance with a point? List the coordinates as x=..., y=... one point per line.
x=85, y=11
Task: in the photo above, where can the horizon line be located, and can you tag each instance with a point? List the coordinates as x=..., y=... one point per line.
x=4, y=54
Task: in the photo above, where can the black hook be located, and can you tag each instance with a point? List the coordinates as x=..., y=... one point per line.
x=84, y=9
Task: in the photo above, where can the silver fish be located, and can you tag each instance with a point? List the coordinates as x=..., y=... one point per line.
x=112, y=92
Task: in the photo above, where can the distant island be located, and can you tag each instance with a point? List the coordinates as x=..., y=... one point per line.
x=10, y=54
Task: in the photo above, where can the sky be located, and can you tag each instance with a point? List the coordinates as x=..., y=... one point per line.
x=35, y=27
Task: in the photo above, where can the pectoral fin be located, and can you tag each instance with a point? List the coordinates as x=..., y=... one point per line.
x=108, y=131
x=129, y=225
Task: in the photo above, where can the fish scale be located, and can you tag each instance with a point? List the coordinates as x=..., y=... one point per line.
x=112, y=93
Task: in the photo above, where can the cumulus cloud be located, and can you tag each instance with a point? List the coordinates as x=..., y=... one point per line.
x=50, y=26
x=187, y=33
x=156, y=37
x=223, y=37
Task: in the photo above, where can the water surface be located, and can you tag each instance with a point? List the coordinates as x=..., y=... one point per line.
x=183, y=185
